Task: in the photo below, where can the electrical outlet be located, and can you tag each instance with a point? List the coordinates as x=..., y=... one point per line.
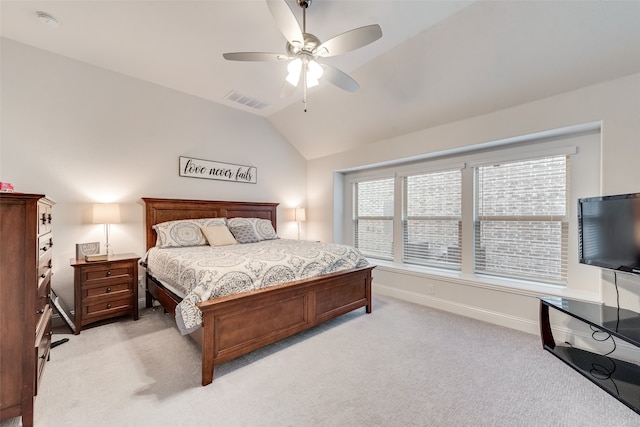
x=430, y=289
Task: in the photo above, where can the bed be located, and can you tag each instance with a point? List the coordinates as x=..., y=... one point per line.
x=233, y=325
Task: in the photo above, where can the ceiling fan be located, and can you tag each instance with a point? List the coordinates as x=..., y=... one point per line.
x=304, y=50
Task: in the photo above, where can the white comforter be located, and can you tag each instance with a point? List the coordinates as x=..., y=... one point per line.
x=201, y=273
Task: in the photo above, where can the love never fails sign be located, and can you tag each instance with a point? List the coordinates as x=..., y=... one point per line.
x=206, y=169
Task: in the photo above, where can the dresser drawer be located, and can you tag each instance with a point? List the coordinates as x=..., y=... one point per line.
x=44, y=262
x=42, y=346
x=42, y=295
x=45, y=243
x=44, y=217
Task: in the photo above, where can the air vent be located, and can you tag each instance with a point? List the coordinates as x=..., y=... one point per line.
x=246, y=100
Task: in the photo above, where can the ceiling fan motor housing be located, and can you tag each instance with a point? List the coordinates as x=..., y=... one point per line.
x=310, y=43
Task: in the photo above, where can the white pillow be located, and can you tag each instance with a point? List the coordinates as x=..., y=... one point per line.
x=218, y=235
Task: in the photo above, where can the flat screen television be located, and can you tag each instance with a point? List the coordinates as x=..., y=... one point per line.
x=609, y=232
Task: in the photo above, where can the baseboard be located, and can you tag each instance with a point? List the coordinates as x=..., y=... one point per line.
x=518, y=323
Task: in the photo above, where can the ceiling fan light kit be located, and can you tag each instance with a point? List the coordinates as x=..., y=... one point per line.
x=305, y=51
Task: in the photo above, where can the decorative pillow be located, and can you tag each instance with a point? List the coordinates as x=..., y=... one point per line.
x=218, y=235
x=252, y=229
x=184, y=232
x=244, y=233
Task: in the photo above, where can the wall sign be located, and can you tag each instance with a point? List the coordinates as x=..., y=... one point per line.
x=198, y=168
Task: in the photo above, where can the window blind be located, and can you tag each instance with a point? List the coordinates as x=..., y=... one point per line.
x=373, y=217
x=432, y=224
x=521, y=223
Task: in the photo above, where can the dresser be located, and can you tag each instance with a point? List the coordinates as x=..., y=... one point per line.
x=105, y=289
x=26, y=246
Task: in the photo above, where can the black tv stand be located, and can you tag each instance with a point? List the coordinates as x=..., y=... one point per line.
x=619, y=378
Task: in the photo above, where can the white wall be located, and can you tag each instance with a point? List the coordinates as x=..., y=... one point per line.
x=81, y=134
x=616, y=104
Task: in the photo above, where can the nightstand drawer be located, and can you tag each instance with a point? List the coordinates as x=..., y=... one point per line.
x=106, y=308
x=102, y=273
x=115, y=289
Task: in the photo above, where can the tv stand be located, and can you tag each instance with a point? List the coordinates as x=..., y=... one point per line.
x=619, y=378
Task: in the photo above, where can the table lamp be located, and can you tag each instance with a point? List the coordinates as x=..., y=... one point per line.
x=299, y=215
x=107, y=214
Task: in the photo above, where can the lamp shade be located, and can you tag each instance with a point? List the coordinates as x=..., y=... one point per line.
x=300, y=214
x=106, y=213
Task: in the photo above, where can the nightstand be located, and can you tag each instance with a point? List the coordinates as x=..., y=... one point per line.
x=105, y=289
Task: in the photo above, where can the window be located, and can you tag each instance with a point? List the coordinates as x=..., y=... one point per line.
x=521, y=221
x=504, y=211
x=373, y=217
x=432, y=226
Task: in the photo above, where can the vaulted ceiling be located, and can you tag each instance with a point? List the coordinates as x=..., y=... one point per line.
x=437, y=62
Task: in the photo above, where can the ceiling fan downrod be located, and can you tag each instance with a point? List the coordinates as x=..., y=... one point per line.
x=304, y=4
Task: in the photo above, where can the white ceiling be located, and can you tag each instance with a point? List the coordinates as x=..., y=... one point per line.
x=438, y=61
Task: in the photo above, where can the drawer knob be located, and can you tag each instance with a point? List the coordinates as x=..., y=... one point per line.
x=108, y=290
x=109, y=273
x=108, y=305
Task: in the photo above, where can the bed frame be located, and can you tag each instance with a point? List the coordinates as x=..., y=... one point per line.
x=238, y=324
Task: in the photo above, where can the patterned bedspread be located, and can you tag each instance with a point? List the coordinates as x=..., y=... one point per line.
x=201, y=273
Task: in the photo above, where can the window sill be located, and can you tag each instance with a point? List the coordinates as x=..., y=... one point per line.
x=519, y=287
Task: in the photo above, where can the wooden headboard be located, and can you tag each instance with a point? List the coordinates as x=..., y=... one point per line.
x=162, y=210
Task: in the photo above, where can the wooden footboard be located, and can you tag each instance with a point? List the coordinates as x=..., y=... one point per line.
x=236, y=325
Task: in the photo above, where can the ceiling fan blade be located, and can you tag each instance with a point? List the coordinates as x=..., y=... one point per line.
x=339, y=78
x=349, y=40
x=286, y=21
x=254, y=56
